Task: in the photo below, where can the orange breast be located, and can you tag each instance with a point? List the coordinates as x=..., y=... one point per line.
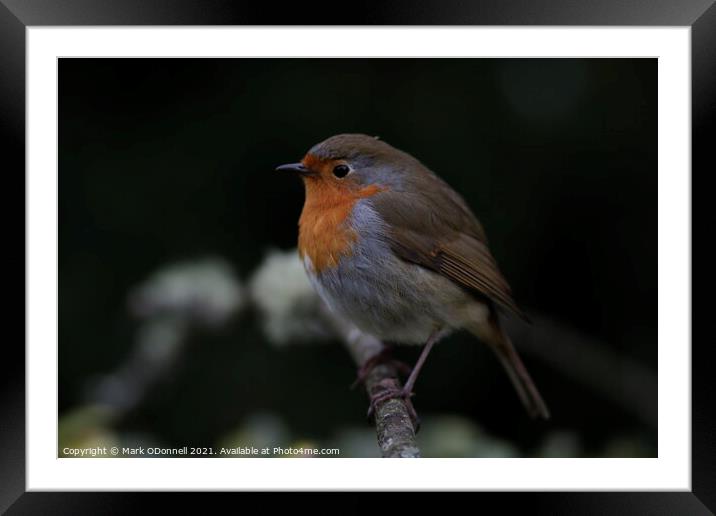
x=324, y=236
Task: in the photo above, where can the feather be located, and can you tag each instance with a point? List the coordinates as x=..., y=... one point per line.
x=432, y=226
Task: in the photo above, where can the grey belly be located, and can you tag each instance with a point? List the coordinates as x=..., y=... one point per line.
x=393, y=300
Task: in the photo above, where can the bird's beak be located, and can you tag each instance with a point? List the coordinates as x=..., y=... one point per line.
x=296, y=168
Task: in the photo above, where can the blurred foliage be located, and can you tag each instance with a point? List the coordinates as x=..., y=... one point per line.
x=86, y=427
x=169, y=161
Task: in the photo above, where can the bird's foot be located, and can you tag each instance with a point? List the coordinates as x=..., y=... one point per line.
x=388, y=391
x=384, y=357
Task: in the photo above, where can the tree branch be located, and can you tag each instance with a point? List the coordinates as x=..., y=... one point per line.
x=396, y=434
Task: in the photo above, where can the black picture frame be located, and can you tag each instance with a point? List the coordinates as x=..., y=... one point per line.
x=17, y=15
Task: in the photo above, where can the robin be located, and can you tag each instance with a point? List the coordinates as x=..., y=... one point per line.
x=389, y=246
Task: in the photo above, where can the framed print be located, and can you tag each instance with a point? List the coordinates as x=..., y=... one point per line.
x=461, y=237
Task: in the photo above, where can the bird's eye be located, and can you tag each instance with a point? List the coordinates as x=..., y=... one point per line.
x=341, y=171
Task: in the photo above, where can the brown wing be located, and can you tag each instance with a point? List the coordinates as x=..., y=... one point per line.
x=435, y=228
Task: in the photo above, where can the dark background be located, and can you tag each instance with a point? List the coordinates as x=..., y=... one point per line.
x=167, y=160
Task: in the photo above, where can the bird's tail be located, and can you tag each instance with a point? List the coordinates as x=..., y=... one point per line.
x=494, y=335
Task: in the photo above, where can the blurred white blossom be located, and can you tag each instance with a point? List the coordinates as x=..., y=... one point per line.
x=289, y=307
x=457, y=436
x=171, y=302
x=259, y=430
x=357, y=442
x=205, y=292
x=159, y=341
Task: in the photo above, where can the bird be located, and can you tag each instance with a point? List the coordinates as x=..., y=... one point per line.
x=390, y=247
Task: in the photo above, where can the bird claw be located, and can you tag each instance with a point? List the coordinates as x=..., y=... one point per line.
x=383, y=357
x=389, y=392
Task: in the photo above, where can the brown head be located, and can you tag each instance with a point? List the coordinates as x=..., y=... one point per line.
x=347, y=163
x=337, y=173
